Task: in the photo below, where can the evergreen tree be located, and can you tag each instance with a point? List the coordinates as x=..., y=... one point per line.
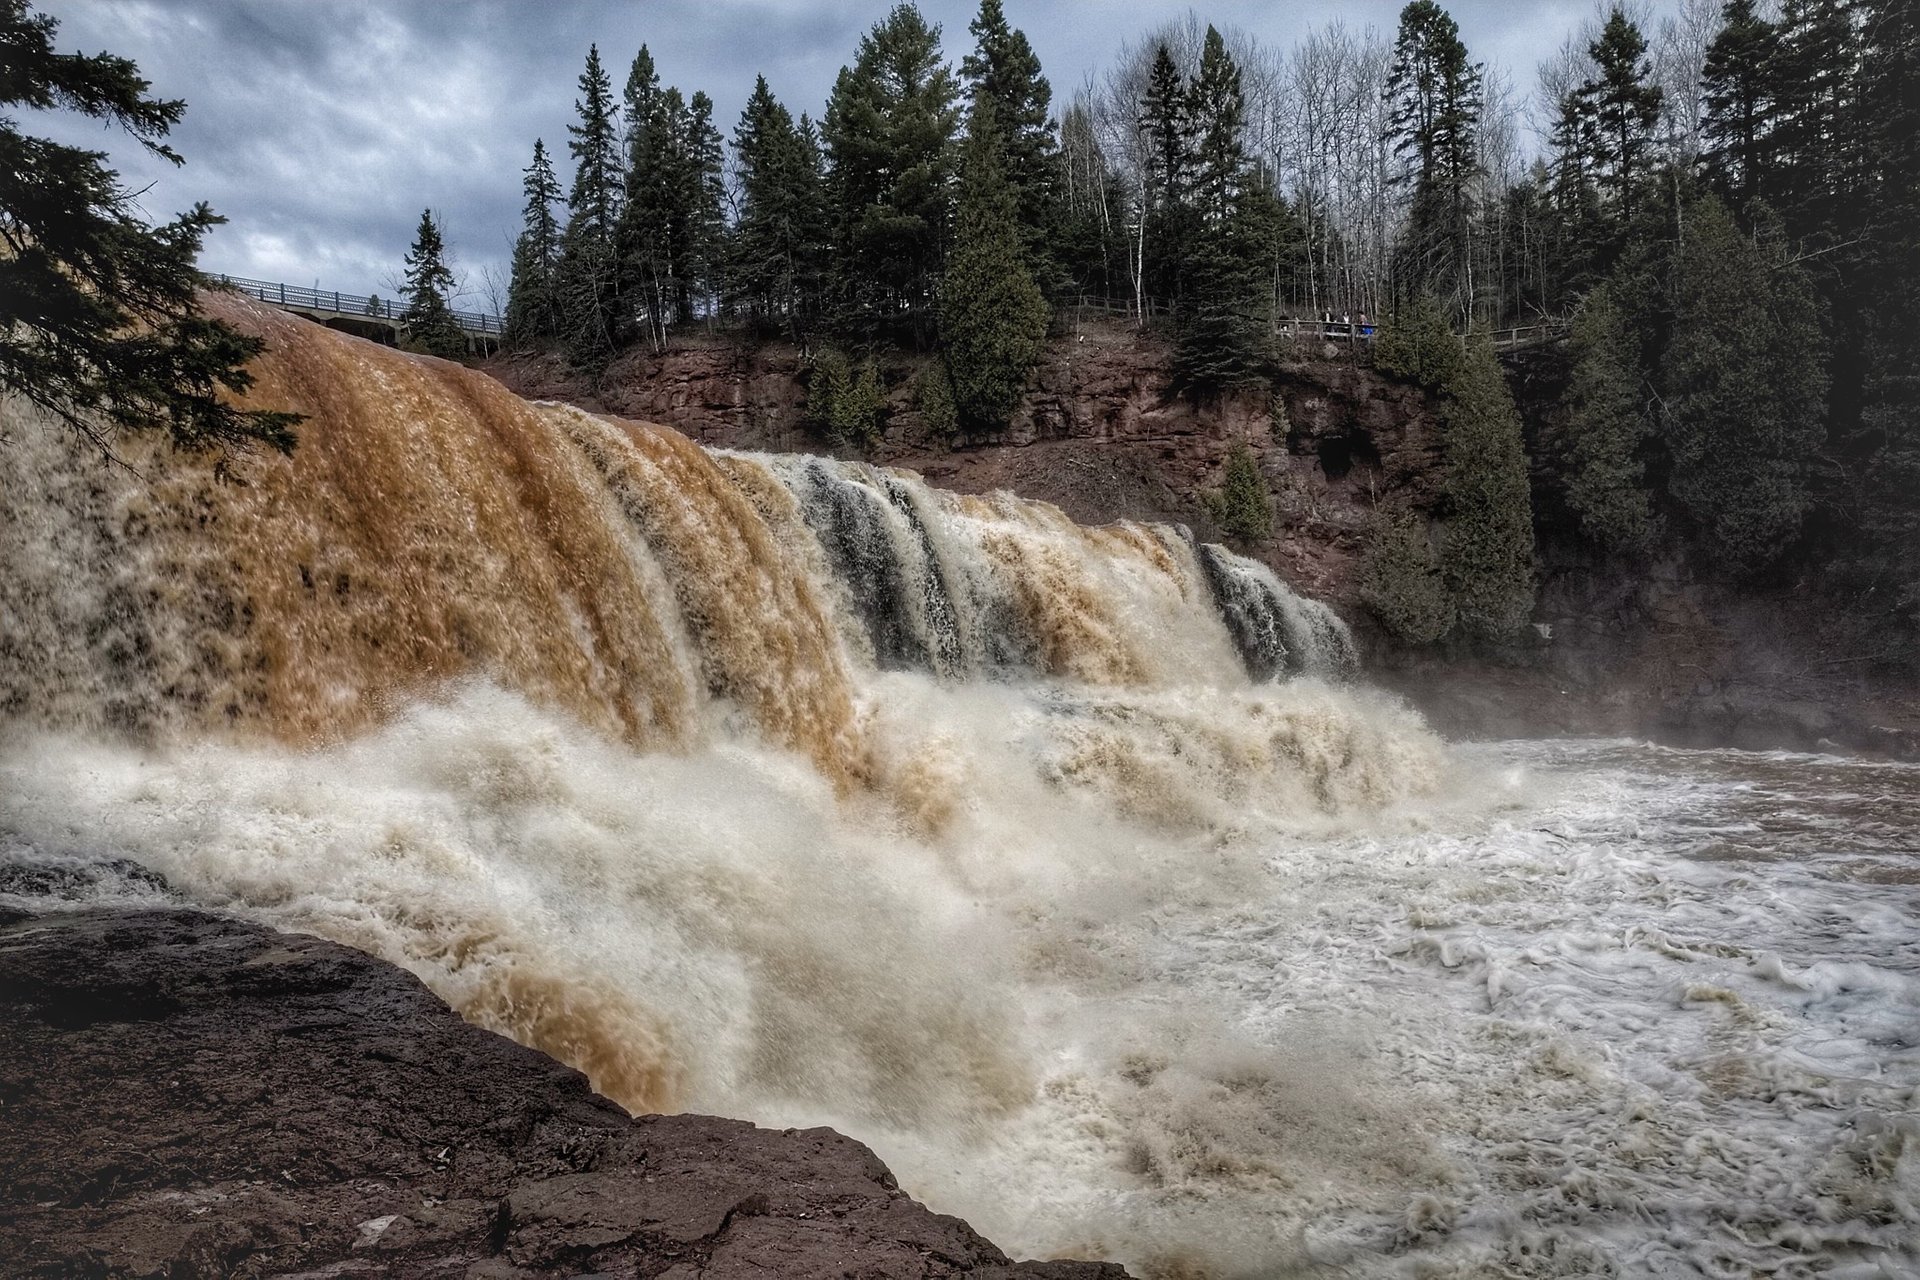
x=1436, y=97
x=587, y=278
x=1594, y=453
x=993, y=317
x=1243, y=508
x=532, y=304
x=1417, y=346
x=1744, y=391
x=1219, y=335
x=1739, y=89
x=1004, y=70
x=781, y=234
x=1400, y=581
x=1487, y=550
x=99, y=322
x=1166, y=118
x=1625, y=104
x=1818, y=134
x=1890, y=417
x=889, y=138
x=427, y=320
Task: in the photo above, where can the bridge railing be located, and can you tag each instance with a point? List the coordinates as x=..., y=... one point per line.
x=352, y=304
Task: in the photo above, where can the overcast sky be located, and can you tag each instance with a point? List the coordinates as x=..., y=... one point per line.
x=321, y=128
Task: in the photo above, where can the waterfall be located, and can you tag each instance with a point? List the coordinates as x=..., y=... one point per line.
x=773, y=786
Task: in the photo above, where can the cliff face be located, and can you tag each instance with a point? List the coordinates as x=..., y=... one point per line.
x=187, y=1095
x=1661, y=649
x=1098, y=435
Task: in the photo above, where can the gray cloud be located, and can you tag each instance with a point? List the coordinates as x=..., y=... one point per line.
x=321, y=129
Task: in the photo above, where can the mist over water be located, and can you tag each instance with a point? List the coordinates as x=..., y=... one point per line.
x=1057, y=864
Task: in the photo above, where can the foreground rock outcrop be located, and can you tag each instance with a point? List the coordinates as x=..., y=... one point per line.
x=183, y=1095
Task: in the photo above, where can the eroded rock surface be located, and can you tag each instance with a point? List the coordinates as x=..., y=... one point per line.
x=183, y=1094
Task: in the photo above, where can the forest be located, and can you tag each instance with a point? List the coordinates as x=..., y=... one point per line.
x=1720, y=207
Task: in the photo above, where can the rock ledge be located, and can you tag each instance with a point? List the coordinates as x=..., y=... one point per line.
x=183, y=1094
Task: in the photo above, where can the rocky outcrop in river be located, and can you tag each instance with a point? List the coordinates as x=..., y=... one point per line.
x=183, y=1095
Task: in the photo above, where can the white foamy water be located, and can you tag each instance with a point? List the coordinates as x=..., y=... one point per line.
x=1594, y=1009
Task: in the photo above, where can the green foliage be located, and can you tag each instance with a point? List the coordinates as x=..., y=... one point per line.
x=99, y=322
x=669, y=241
x=1220, y=336
x=993, y=319
x=1437, y=98
x=1487, y=552
x=1418, y=346
x=533, y=316
x=1400, y=580
x=586, y=279
x=844, y=404
x=427, y=320
x=1003, y=73
x=1242, y=507
x=1594, y=453
x=780, y=241
x=933, y=396
x=1744, y=389
x=1739, y=95
x=889, y=134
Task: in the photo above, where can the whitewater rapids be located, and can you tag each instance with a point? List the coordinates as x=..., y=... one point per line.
x=1061, y=866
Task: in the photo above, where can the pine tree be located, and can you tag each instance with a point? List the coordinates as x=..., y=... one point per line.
x=781, y=234
x=533, y=316
x=99, y=320
x=993, y=317
x=1167, y=225
x=1487, y=551
x=1436, y=95
x=1890, y=416
x=1219, y=337
x=587, y=278
x=1594, y=453
x=701, y=225
x=1417, y=346
x=1818, y=135
x=889, y=138
x=1744, y=387
x=428, y=321
x=1740, y=108
x=1625, y=104
x=1004, y=70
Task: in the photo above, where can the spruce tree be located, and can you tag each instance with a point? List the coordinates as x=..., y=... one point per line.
x=1744, y=389
x=1219, y=337
x=781, y=233
x=532, y=304
x=428, y=321
x=1818, y=133
x=1594, y=452
x=99, y=320
x=1625, y=104
x=1166, y=119
x=993, y=317
x=1890, y=415
x=1739, y=88
x=889, y=137
x=1436, y=96
x=588, y=283
x=1487, y=549
x=1004, y=70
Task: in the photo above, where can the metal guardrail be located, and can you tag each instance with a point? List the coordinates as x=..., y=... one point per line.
x=349, y=304
x=1307, y=326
